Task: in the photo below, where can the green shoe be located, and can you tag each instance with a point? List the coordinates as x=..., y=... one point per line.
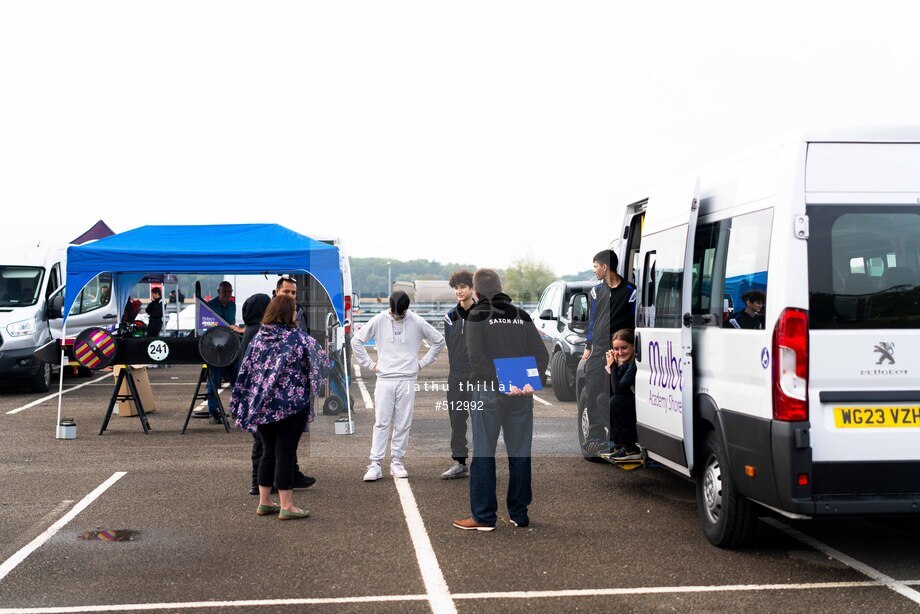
x=291, y=515
x=267, y=510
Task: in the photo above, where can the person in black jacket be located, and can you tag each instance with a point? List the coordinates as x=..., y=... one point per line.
x=459, y=396
x=752, y=316
x=621, y=365
x=613, y=307
x=155, y=312
x=498, y=329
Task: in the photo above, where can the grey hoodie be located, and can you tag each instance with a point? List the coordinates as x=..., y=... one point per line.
x=397, y=345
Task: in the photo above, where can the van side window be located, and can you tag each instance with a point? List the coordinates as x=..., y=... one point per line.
x=96, y=294
x=54, y=280
x=661, y=283
x=864, y=267
x=747, y=256
x=706, y=272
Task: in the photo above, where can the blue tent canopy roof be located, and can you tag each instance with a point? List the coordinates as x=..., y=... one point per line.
x=221, y=248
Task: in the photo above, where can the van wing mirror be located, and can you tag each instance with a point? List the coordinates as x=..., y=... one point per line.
x=56, y=307
x=547, y=314
x=578, y=313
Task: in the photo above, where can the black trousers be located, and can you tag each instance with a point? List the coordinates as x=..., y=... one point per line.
x=623, y=420
x=459, y=399
x=279, y=446
x=597, y=387
x=257, y=457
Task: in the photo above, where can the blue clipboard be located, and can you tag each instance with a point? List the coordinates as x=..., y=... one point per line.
x=517, y=372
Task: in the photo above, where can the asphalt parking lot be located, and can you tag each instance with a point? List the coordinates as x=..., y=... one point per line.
x=600, y=539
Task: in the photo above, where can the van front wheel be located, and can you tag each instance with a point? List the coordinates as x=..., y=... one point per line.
x=42, y=380
x=727, y=518
x=563, y=378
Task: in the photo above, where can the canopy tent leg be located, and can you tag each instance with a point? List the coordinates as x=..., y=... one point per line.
x=59, y=432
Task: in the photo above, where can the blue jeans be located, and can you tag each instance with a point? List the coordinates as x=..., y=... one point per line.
x=513, y=416
x=229, y=373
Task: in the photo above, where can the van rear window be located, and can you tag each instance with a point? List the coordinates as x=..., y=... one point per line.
x=864, y=266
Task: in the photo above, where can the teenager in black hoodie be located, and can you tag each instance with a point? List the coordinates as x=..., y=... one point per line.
x=498, y=329
x=459, y=397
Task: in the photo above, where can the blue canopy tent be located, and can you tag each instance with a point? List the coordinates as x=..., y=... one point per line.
x=222, y=248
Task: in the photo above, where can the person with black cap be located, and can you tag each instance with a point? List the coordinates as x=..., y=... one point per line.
x=752, y=316
x=155, y=312
x=397, y=334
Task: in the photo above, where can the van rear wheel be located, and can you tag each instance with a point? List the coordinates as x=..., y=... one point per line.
x=727, y=518
x=42, y=380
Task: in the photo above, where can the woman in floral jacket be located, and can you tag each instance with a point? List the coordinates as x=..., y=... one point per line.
x=282, y=369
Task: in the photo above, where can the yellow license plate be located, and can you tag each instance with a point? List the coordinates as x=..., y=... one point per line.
x=877, y=417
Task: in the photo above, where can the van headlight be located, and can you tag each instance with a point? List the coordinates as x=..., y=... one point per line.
x=575, y=339
x=21, y=329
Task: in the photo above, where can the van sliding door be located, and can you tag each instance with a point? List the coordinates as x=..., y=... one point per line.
x=664, y=382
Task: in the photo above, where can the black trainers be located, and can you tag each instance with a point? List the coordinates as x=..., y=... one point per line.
x=303, y=481
x=215, y=420
x=626, y=454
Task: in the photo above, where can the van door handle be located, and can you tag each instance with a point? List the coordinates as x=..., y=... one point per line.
x=638, y=347
x=109, y=316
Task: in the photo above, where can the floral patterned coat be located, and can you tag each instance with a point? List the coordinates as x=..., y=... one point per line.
x=282, y=368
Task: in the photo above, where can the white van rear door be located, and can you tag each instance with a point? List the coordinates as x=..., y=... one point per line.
x=864, y=301
x=664, y=381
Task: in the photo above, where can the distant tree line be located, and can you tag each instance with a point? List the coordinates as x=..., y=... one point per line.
x=369, y=275
x=524, y=280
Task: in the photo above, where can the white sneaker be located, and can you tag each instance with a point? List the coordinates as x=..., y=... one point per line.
x=456, y=471
x=397, y=470
x=374, y=473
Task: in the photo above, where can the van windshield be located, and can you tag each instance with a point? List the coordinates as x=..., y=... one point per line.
x=864, y=266
x=19, y=286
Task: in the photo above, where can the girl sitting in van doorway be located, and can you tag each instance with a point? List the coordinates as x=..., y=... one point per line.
x=621, y=365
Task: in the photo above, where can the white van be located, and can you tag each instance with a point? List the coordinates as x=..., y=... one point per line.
x=311, y=295
x=817, y=413
x=30, y=279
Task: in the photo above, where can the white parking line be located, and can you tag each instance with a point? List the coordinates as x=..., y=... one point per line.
x=536, y=398
x=11, y=563
x=885, y=580
x=602, y=592
x=435, y=584
x=204, y=403
x=54, y=396
x=365, y=395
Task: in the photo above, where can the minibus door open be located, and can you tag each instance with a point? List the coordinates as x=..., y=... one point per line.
x=664, y=380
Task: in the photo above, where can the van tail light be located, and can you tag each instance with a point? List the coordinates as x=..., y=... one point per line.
x=348, y=315
x=790, y=366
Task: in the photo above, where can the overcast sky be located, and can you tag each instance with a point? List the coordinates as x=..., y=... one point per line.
x=465, y=131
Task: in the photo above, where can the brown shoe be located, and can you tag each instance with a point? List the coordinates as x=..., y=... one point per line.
x=469, y=524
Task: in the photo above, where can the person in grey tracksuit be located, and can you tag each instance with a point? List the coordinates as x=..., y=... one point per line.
x=397, y=334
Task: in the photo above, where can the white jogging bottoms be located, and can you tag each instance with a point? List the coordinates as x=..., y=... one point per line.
x=394, y=402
